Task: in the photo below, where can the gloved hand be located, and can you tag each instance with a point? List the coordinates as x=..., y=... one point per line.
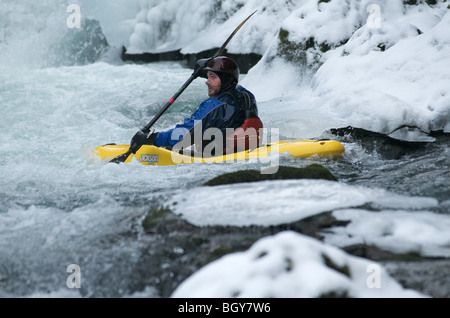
x=141, y=139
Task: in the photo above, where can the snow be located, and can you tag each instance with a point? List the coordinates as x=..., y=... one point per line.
x=245, y=204
x=291, y=265
x=202, y=25
x=406, y=84
x=419, y=232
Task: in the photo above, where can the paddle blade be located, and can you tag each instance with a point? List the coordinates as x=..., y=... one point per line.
x=220, y=51
x=120, y=159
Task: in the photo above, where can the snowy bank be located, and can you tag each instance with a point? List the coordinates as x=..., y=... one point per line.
x=195, y=26
x=404, y=83
x=346, y=66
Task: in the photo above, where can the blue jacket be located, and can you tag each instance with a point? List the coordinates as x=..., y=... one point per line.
x=221, y=111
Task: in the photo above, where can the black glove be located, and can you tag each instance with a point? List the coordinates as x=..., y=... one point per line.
x=199, y=65
x=141, y=139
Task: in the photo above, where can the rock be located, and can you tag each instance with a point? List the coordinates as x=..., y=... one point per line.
x=386, y=146
x=163, y=221
x=427, y=276
x=377, y=254
x=245, y=61
x=80, y=46
x=307, y=52
x=176, y=249
x=182, y=248
x=285, y=173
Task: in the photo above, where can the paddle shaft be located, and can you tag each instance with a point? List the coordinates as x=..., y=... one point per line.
x=146, y=129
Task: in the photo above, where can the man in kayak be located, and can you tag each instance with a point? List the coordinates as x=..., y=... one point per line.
x=226, y=122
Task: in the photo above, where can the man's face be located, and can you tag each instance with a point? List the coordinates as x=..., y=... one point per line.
x=214, y=84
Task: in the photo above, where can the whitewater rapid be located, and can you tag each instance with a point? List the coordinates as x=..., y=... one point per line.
x=60, y=205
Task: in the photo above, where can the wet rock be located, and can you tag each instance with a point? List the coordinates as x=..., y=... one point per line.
x=308, y=52
x=80, y=46
x=178, y=248
x=163, y=221
x=411, y=270
x=283, y=173
x=428, y=276
x=245, y=61
x=375, y=253
x=388, y=147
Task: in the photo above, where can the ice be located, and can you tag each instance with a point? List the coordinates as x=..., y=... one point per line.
x=280, y=202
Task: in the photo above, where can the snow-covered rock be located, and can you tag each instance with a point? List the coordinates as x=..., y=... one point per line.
x=291, y=265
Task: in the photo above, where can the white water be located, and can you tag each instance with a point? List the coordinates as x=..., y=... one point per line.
x=59, y=205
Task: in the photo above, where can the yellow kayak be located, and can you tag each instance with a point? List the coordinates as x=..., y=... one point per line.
x=157, y=156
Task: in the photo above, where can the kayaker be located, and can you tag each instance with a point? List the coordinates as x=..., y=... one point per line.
x=229, y=107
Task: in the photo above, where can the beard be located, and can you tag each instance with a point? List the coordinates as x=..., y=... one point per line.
x=213, y=90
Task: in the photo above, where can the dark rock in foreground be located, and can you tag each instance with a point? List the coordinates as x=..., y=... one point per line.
x=182, y=248
x=176, y=248
x=179, y=249
x=283, y=173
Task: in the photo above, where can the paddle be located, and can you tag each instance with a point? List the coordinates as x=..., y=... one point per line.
x=200, y=65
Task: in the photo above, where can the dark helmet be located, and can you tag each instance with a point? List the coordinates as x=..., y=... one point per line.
x=220, y=64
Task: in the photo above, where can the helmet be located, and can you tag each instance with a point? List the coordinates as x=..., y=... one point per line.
x=220, y=64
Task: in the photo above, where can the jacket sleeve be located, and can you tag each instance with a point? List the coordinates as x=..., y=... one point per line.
x=171, y=137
